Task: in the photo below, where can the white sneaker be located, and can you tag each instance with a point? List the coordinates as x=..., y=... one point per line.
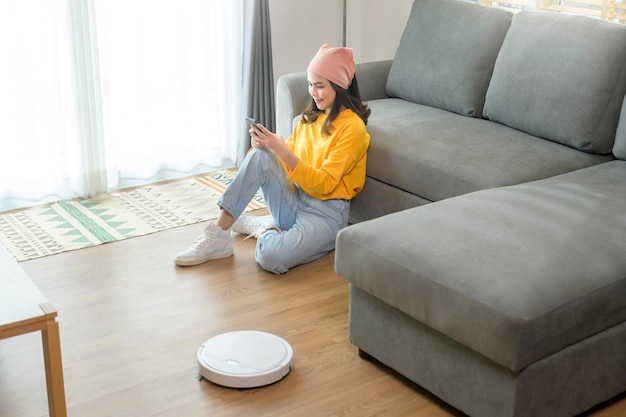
x=254, y=226
x=213, y=243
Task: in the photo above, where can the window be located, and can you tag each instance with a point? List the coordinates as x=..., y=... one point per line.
x=97, y=94
x=609, y=10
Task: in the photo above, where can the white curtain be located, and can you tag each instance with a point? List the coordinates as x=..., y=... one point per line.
x=98, y=94
x=610, y=10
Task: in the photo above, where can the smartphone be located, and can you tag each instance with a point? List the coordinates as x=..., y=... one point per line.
x=251, y=122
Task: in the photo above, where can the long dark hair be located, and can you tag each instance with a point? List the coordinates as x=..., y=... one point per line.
x=350, y=99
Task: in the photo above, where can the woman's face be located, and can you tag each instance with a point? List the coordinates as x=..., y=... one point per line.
x=322, y=92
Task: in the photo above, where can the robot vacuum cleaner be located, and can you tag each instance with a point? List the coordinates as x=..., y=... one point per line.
x=244, y=359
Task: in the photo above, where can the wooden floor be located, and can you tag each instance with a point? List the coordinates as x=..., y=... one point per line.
x=131, y=323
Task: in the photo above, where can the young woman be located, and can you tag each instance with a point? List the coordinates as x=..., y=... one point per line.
x=307, y=181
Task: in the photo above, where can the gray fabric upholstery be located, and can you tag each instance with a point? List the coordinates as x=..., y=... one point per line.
x=291, y=98
x=512, y=281
x=436, y=154
x=448, y=69
x=456, y=374
x=561, y=78
x=504, y=275
x=388, y=198
x=619, y=148
x=561, y=385
x=372, y=79
x=515, y=273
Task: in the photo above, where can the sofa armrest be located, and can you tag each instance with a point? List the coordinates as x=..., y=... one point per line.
x=372, y=79
x=292, y=93
x=291, y=97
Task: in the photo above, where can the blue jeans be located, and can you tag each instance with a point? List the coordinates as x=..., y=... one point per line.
x=308, y=225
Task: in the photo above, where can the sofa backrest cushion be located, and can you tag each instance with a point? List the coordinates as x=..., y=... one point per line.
x=562, y=78
x=447, y=53
x=619, y=148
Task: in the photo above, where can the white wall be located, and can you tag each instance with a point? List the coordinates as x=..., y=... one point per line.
x=300, y=27
x=374, y=27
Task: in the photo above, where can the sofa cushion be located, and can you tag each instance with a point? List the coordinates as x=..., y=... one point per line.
x=436, y=154
x=562, y=78
x=619, y=148
x=514, y=273
x=448, y=69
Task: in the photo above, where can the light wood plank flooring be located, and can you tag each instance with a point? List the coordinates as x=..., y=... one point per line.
x=131, y=323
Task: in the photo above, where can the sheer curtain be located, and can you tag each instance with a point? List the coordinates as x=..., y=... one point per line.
x=610, y=10
x=38, y=112
x=98, y=94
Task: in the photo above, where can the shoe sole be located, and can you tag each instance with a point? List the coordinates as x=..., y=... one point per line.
x=221, y=255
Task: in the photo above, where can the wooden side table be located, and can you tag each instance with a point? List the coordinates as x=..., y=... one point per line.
x=24, y=309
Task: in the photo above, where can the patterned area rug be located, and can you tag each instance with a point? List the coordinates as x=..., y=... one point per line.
x=70, y=225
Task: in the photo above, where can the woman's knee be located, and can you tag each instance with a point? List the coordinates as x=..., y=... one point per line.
x=271, y=261
x=271, y=256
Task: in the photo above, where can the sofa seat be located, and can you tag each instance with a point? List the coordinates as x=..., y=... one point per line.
x=412, y=141
x=506, y=272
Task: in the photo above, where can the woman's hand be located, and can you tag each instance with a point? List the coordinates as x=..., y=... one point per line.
x=262, y=138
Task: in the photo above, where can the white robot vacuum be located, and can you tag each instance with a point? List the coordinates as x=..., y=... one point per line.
x=244, y=359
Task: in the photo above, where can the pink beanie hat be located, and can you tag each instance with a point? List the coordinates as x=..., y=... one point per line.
x=334, y=64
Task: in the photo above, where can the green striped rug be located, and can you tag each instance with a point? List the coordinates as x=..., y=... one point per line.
x=70, y=225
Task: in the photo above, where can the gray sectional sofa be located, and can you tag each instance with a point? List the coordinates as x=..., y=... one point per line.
x=487, y=252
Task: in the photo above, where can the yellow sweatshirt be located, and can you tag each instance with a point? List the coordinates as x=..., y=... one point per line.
x=332, y=166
